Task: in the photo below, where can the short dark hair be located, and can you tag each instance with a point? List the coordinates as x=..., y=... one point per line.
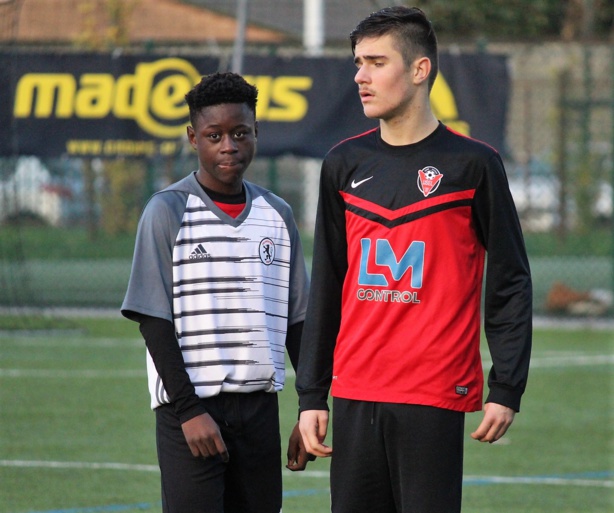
x=220, y=88
x=413, y=32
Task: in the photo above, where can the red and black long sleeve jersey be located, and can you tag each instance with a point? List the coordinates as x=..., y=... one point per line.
x=401, y=237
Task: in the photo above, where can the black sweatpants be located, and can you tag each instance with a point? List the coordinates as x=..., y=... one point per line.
x=250, y=482
x=396, y=458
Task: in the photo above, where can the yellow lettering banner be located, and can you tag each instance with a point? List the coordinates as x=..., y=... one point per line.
x=99, y=105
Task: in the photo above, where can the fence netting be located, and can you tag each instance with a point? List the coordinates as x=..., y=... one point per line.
x=67, y=225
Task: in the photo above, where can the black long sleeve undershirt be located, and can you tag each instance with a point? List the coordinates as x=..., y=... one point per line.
x=293, y=343
x=161, y=342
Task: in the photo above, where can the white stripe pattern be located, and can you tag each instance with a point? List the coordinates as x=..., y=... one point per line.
x=230, y=299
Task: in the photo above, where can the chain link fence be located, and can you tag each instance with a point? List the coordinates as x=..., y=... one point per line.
x=560, y=135
x=67, y=226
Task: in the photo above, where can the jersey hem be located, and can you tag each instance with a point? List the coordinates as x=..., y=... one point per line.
x=466, y=407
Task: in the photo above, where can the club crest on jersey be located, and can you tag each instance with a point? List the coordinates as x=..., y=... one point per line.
x=267, y=251
x=429, y=179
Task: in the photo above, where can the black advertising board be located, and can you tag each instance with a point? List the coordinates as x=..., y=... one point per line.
x=103, y=105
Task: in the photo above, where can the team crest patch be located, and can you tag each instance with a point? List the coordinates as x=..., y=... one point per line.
x=429, y=179
x=267, y=251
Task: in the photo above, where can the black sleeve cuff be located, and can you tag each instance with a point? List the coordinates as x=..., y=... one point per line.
x=313, y=400
x=504, y=396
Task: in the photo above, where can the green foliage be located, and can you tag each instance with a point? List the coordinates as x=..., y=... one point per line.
x=500, y=18
x=104, y=24
x=505, y=19
x=33, y=323
x=122, y=201
x=18, y=243
x=595, y=243
x=74, y=244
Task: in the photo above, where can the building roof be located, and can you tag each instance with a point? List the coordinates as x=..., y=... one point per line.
x=149, y=21
x=340, y=16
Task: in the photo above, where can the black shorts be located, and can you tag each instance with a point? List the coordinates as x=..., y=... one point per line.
x=396, y=458
x=250, y=482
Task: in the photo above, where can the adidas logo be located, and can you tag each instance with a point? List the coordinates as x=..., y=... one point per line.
x=199, y=253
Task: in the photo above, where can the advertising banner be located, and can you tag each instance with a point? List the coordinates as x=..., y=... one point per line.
x=107, y=105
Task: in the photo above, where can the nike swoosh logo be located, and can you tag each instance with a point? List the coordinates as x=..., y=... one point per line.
x=356, y=184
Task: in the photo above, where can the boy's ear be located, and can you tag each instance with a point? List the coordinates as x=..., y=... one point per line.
x=422, y=69
x=256, y=129
x=191, y=136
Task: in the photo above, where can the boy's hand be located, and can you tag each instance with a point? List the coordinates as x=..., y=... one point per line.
x=204, y=437
x=314, y=425
x=497, y=419
x=297, y=454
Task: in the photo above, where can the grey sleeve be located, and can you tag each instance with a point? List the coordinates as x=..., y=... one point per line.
x=299, y=279
x=150, y=288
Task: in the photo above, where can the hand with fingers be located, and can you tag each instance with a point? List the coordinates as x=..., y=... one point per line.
x=497, y=419
x=313, y=425
x=204, y=438
x=297, y=454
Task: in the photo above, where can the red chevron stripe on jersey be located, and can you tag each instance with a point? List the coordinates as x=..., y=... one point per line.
x=409, y=209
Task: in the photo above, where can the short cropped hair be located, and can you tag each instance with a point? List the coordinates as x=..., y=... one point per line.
x=413, y=33
x=219, y=88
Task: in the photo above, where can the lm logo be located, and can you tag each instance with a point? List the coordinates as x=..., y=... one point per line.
x=385, y=257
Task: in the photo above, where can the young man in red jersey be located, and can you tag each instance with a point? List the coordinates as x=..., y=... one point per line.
x=406, y=216
x=219, y=288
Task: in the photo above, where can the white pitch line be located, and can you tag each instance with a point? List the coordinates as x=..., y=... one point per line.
x=541, y=362
x=576, y=360
x=64, y=374
x=319, y=474
x=558, y=481
x=83, y=343
x=78, y=465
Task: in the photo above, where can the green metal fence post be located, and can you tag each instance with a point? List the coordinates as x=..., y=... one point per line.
x=561, y=151
x=273, y=177
x=612, y=163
